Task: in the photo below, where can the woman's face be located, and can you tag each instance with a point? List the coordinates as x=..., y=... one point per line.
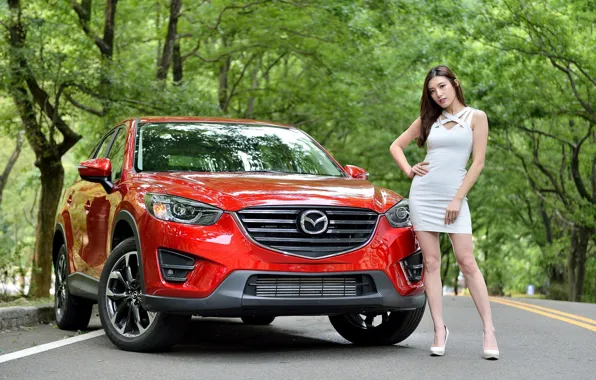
x=442, y=91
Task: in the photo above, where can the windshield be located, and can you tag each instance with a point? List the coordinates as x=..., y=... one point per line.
x=211, y=147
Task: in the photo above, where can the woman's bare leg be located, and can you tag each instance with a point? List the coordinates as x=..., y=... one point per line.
x=431, y=253
x=464, y=253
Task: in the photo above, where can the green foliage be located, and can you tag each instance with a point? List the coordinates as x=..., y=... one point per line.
x=349, y=73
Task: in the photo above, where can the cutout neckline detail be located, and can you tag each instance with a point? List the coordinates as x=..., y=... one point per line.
x=462, y=118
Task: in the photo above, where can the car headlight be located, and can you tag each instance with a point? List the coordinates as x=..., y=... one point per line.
x=181, y=210
x=399, y=215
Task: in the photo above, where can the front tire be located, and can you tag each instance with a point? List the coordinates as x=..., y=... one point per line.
x=394, y=326
x=72, y=312
x=126, y=323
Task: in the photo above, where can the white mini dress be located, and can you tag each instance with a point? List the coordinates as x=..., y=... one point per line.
x=448, y=152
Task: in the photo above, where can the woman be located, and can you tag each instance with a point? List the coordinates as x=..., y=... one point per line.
x=451, y=131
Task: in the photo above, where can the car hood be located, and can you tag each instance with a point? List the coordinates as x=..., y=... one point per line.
x=233, y=192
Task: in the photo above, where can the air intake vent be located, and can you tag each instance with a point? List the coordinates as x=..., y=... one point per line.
x=312, y=232
x=285, y=286
x=413, y=266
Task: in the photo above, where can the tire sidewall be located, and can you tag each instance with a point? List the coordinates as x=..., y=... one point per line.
x=131, y=343
x=67, y=296
x=393, y=331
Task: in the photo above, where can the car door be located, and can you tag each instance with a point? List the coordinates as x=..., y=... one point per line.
x=100, y=208
x=78, y=202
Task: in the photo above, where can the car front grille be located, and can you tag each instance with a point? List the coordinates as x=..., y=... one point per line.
x=305, y=286
x=288, y=229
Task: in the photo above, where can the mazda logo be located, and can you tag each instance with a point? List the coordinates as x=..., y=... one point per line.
x=313, y=222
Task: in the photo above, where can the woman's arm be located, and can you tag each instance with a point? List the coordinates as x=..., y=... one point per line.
x=398, y=146
x=480, y=135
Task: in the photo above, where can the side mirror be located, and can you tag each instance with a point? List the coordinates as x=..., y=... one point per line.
x=98, y=170
x=356, y=172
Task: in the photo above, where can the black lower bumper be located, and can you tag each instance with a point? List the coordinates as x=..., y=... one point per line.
x=231, y=300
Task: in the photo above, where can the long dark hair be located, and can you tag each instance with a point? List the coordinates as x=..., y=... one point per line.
x=429, y=109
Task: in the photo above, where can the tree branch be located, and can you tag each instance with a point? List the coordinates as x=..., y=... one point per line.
x=546, y=172
x=577, y=179
x=572, y=145
x=220, y=15
x=11, y=162
x=84, y=14
x=567, y=70
x=233, y=90
x=85, y=108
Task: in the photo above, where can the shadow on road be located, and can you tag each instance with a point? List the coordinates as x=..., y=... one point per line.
x=232, y=337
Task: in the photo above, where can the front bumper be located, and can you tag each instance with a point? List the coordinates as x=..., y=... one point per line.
x=231, y=299
x=222, y=249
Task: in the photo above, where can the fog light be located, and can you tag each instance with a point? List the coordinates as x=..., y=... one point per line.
x=413, y=266
x=175, y=266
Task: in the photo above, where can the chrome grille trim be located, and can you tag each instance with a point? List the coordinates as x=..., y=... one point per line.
x=276, y=228
x=308, y=286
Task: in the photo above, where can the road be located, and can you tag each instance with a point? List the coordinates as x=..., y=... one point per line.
x=538, y=339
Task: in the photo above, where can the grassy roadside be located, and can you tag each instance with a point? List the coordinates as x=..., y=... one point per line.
x=22, y=301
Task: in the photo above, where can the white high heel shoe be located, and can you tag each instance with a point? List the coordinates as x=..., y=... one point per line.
x=490, y=354
x=440, y=351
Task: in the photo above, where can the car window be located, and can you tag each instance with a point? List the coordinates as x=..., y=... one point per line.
x=213, y=147
x=94, y=150
x=102, y=151
x=116, y=154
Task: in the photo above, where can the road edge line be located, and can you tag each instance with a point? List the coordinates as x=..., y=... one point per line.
x=49, y=346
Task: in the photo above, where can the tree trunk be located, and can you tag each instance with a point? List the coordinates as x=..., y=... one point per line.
x=25, y=92
x=52, y=180
x=224, y=68
x=105, y=46
x=11, y=162
x=581, y=248
x=571, y=265
x=177, y=64
x=168, y=48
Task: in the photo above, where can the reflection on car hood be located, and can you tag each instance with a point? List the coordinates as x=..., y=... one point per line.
x=235, y=191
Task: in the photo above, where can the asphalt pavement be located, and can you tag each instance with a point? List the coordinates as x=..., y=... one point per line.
x=538, y=339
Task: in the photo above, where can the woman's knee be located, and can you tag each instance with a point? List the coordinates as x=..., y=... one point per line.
x=432, y=262
x=468, y=265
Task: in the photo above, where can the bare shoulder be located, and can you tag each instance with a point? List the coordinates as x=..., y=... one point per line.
x=408, y=135
x=479, y=119
x=416, y=124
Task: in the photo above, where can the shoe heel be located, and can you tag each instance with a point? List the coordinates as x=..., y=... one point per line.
x=490, y=354
x=440, y=351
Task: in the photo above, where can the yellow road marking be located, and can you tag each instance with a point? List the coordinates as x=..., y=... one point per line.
x=550, y=314
x=554, y=311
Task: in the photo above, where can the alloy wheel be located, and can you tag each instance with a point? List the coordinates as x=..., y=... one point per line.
x=123, y=298
x=60, y=291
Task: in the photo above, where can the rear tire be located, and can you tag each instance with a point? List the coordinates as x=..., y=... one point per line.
x=395, y=327
x=72, y=312
x=258, y=320
x=126, y=323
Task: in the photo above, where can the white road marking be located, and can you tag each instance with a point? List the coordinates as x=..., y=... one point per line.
x=49, y=346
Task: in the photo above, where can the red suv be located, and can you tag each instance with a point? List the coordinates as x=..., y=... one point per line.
x=180, y=216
